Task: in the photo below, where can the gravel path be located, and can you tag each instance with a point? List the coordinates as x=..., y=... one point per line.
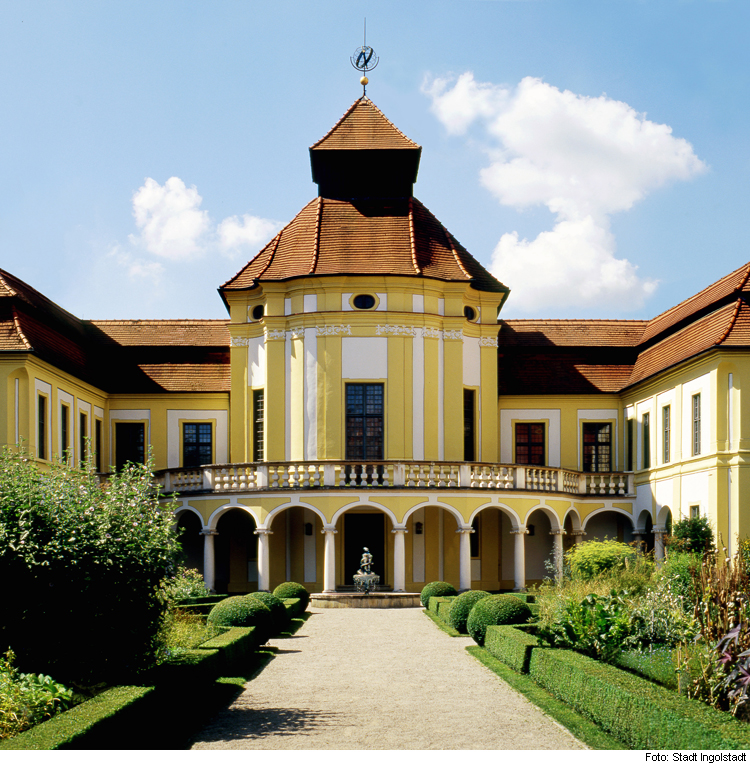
x=379, y=679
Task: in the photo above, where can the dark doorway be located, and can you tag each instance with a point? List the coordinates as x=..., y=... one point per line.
x=360, y=530
x=188, y=533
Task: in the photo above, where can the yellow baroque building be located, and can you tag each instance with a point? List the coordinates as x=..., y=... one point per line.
x=364, y=392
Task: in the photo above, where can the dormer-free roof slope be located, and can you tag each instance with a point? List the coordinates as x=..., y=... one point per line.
x=380, y=237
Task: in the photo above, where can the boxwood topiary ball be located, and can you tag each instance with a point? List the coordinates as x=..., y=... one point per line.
x=289, y=590
x=436, y=589
x=279, y=614
x=496, y=609
x=462, y=606
x=242, y=612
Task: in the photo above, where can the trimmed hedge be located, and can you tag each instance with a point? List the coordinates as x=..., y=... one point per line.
x=462, y=606
x=510, y=645
x=236, y=645
x=243, y=611
x=95, y=724
x=495, y=609
x=444, y=608
x=436, y=602
x=436, y=589
x=291, y=590
x=640, y=713
x=528, y=598
x=279, y=614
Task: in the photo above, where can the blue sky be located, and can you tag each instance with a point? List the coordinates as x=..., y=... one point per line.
x=149, y=149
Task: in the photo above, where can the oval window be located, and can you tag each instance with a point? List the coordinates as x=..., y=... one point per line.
x=470, y=313
x=363, y=302
x=258, y=312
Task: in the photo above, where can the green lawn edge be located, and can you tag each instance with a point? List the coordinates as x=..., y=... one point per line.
x=442, y=625
x=578, y=725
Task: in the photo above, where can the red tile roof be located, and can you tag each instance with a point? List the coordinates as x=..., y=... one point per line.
x=189, y=378
x=364, y=126
x=572, y=332
x=166, y=332
x=351, y=237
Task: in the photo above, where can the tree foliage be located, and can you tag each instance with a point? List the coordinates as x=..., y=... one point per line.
x=81, y=568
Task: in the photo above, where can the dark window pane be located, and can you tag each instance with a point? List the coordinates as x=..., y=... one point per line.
x=196, y=445
x=530, y=444
x=364, y=421
x=597, y=447
x=129, y=443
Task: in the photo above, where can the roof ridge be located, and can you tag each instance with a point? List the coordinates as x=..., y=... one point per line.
x=20, y=332
x=455, y=253
x=412, y=243
x=275, y=240
x=705, y=289
x=572, y=321
x=730, y=326
x=153, y=321
x=316, y=246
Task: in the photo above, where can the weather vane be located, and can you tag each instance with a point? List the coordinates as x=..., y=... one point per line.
x=364, y=59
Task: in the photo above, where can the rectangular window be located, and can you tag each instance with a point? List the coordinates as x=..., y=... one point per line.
x=98, y=444
x=65, y=430
x=597, y=447
x=666, y=419
x=259, y=436
x=696, y=425
x=646, y=440
x=530, y=444
x=41, y=441
x=197, y=444
x=130, y=439
x=83, y=433
x=695, y=511
x=364, y=421
x=630, y=425
x=469, y=426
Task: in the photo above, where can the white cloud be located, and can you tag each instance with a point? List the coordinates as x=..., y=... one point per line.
x=236, y=232
x=584, y=158
x=171, y=223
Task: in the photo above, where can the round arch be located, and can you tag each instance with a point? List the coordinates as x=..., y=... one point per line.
x=453, y=512
x=599, y=511
x=575, y=520
x=371, y=504
x=178, y=514
x=644, y=519
x=213, y=519
x=515, y=519
x=664, y=517
x=288, y=506
x=554, y=519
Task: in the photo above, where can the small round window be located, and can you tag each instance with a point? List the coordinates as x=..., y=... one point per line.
x=258, y=312
x=363, y=302
x=469, y=313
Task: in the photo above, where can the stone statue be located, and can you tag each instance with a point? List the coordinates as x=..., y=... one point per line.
x=365, y=564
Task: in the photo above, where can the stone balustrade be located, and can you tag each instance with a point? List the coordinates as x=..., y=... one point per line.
x=269, y=476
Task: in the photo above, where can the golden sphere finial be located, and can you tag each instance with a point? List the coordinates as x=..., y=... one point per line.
x=364, y=81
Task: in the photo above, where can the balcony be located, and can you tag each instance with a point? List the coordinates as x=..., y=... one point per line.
x=279, y=476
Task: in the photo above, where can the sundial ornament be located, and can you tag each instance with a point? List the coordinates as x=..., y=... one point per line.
x=364, y=59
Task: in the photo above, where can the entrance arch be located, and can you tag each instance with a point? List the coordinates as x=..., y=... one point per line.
x=236, y=552
x=188, y=530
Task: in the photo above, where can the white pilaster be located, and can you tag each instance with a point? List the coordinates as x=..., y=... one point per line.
x=209, y=564
x=329, y=561
x=659, y=544
x=519, y=559
x=464, y=559
x=399, y=560
x=264, y=572
x=557, y=538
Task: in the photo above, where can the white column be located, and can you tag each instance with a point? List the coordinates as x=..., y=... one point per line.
x=209, y=564
x=557, y=538
x=578, y=535
x=264, y=565
x=658, y=544
x=329, y=562
x=464, y=559
x=399, y=560
x=519, y=559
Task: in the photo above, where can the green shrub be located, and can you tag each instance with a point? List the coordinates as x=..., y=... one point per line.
x=242, y=611
x=510, y=645
x=495, y=609
x=462, y=606
x=290, y=590
x=279, y=614
x=85, y=564
x=186, y=583
x=693, y=534
x=436, y=589
x=593, y=557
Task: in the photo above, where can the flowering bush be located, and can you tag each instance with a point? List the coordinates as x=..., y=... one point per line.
x=82, y=567
x=186, y=582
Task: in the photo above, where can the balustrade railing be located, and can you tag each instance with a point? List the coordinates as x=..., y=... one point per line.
x=408, y=475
